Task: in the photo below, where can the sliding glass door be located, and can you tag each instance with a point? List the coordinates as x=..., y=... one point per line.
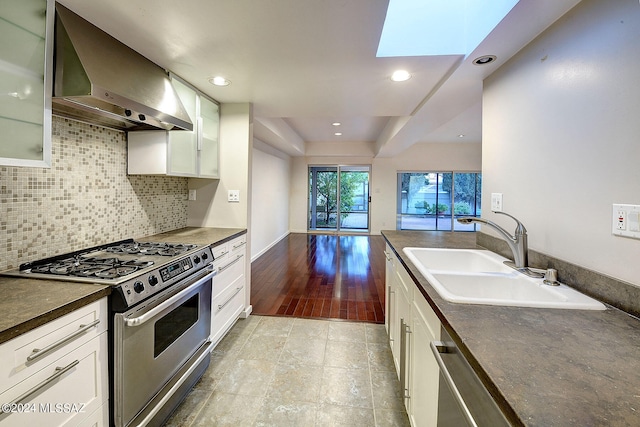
x=433, y=200
x=339, y=198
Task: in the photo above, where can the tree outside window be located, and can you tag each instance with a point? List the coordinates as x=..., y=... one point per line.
x=432, y=200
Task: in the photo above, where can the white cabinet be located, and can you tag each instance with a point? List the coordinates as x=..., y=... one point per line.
x=423, y=368
x=391, y=320
x=228, y=294
x=180, y=152
x=25, y=82
x=412, y=325
x=56, y=374
x=404, y=299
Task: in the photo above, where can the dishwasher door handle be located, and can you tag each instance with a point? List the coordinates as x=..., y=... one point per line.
x=438, y=347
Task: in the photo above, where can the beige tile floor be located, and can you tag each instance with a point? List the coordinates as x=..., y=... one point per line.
x=276, y=371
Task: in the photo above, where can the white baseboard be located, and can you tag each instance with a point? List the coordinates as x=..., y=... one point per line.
x=246, y=312
x=256, y=256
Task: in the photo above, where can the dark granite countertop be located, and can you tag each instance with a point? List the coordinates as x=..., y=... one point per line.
x=26, y=304
x=198, y=235
x=544, y=367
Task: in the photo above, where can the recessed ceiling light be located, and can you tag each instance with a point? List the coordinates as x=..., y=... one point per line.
x=400, y=76
x=219, y=81
x=336, y=123
x=461, y=135
x=338, y=134
x=483, y=60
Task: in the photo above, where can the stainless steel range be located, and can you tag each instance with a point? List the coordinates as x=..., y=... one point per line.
x=160, y=319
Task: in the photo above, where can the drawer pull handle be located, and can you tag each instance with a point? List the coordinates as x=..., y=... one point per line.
x=36, y=353
x=404, y=351
x=239, y=245
x=57, y=374
x=222, y=254
x=221, y=306
x=224, y=267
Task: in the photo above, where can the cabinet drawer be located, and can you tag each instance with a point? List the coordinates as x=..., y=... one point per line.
x=220, y=254
x=238, y=245
x=226, y=308
x=26, y=354
x=228, y=274
x=224, y=251
x=79, y=390
x=99, y=417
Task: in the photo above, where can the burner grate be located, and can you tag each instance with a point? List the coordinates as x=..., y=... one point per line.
x=150, y=248
x=104, y=268
x=110, y=262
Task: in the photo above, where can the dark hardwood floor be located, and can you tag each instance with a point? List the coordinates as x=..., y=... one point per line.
x=321, y=276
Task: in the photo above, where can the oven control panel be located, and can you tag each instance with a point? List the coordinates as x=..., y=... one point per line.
x=177, y=268
x=143, y=286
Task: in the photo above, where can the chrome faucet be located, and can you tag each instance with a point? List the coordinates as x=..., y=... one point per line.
x=517, y=243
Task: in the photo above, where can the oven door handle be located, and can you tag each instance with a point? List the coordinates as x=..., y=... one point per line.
x=137, y=321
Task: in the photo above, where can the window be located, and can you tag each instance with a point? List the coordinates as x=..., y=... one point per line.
x=433, y=200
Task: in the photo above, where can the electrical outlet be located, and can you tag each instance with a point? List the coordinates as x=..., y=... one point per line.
x=233, y=196
x=625, y=221
x=621, y=220
x=496, y=202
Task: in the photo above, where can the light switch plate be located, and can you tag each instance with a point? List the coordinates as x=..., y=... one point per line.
x=233, y=196
x=625, y=220
x=192, y=194
x=496, y=202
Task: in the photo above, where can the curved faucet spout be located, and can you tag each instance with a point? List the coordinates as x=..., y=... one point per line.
x=517, y=243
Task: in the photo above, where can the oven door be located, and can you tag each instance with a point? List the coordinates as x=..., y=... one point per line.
x=154, y=340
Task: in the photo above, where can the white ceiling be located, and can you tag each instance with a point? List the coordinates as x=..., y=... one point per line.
x=305, y=64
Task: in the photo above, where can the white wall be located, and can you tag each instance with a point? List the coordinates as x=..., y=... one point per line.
x=436, y=157
x=211, y=208
x=561, y=123
x=271, y=172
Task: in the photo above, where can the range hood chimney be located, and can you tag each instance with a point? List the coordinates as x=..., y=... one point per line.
x=100, y=80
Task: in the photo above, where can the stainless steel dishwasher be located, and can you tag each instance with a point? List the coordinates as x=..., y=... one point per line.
x=462, y=398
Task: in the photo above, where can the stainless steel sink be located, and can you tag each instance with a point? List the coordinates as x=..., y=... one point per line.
x=475, y=276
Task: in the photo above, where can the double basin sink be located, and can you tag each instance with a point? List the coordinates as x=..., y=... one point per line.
x=475, y=276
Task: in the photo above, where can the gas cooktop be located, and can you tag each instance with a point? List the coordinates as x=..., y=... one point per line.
x=106, y=264
x=138, y=269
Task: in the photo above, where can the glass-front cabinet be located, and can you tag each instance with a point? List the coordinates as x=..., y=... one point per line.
x=183, y=144
x=210, y=128
x=180, y=152
x=26, y=28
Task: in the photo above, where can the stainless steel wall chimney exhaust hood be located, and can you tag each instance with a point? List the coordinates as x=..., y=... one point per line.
x=100, y=80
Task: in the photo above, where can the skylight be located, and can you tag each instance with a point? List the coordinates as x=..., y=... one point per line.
x=439, y=27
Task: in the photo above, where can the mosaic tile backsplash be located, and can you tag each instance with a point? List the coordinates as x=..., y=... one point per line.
x=85, y=199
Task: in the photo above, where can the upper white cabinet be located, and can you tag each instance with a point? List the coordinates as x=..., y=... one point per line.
x=209, y=133
x=26, y=59
x=180, y=153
